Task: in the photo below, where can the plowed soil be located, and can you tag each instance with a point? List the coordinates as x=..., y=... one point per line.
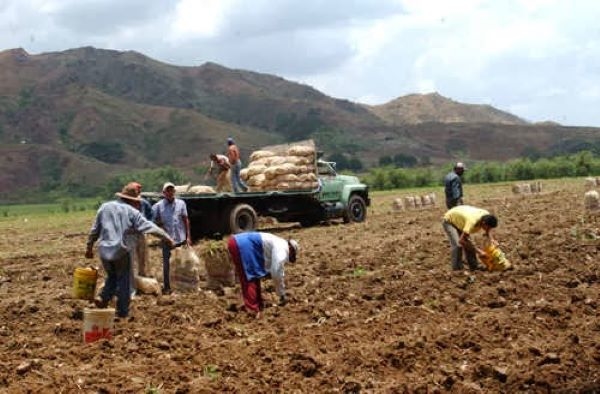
x=374, y=307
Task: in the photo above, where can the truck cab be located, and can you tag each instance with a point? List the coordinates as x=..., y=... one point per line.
x=341, y=195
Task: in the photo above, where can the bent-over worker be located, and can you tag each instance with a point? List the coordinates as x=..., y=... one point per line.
x=257, y=255
x=459, y=223
x=221, y=163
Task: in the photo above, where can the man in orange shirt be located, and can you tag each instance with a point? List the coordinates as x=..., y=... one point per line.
x=233, y=153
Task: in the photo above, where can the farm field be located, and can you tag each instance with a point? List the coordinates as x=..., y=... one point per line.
x=374, y=307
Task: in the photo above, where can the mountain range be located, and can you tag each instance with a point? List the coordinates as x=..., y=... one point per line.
x=81, y=115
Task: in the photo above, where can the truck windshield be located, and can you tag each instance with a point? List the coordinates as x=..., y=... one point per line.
x=326, y=168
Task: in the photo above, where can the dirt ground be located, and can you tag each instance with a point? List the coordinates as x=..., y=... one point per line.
x=374, y=307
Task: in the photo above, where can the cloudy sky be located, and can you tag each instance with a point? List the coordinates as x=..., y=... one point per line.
x=538, y=59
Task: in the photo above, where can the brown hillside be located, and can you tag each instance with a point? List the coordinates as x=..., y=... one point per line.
x=422, y=108
x=121, y=111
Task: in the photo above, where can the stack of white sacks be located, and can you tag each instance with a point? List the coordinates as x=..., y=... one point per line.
x=527, y=188
x=415, y=202
x=591, y=182
x=284, y=167
x=591, y=200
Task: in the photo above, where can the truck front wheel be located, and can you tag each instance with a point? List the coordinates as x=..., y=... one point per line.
x=356, y=210
x=242, y=218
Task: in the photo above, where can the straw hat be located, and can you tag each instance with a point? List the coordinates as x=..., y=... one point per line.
x=129, y=192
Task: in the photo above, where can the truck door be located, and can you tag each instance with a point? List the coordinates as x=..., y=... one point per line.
x=331, y=185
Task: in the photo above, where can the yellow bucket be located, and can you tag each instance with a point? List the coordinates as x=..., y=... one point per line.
x=84, y=283
x=98, y=324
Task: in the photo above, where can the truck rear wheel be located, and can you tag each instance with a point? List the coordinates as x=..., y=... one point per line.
x=242, y=218
x=356, y=210
x=309, y=221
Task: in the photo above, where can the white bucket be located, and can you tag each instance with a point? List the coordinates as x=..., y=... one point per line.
x=97, y=324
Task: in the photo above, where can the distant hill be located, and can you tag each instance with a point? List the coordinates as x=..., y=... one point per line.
x=80, y=116
x=427, y=108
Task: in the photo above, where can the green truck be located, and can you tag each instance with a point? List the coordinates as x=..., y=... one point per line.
x=336, y=197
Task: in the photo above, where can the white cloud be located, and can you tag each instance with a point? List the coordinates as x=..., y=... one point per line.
x=535, y=57
x=198, y=19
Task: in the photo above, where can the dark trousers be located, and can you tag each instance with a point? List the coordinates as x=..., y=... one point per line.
x=166, y=255
x=117, y=283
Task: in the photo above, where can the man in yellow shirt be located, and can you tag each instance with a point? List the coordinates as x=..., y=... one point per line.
x=459, y=223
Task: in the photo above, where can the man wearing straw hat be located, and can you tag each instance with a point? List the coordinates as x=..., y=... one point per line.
x=113, y=220
x=136, y=242
x=258, y=255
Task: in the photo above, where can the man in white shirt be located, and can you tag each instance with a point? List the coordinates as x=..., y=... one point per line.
x=258, y=255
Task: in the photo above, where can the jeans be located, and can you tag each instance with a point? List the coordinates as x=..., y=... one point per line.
x=456, y=250
x=117, y=283
x=236, y=182
x=166, y=254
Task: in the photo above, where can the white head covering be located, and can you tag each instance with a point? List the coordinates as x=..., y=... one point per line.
x=294, y=245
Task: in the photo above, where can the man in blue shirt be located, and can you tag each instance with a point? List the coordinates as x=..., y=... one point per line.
x=453, y=186
x=113, y=221
x=170, y=213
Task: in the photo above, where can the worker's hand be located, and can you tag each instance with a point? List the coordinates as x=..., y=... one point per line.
x=89, y=253
x=170, y=243
x=282, y=300
x=188, y=241
x=481, y=253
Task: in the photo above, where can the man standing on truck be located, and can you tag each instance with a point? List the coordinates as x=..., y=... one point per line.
x=258, y=255
x=170, y=213
x=113, y=220
x=453, y=186
x=459, y=223
x=233, y=153
x=221, y=163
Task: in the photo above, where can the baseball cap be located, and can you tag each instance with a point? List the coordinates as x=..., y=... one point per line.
x=460, y=165
x=168, y=184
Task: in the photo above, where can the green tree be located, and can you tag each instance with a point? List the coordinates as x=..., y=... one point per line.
x=385, y=161
x=106, y=151
x=583, y=163
x=402, y=160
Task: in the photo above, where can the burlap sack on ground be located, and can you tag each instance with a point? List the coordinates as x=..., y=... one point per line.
x=219, y=268
x=185, y=269
x=147, y=285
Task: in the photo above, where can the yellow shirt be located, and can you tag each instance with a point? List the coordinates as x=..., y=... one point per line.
x=465, y=218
